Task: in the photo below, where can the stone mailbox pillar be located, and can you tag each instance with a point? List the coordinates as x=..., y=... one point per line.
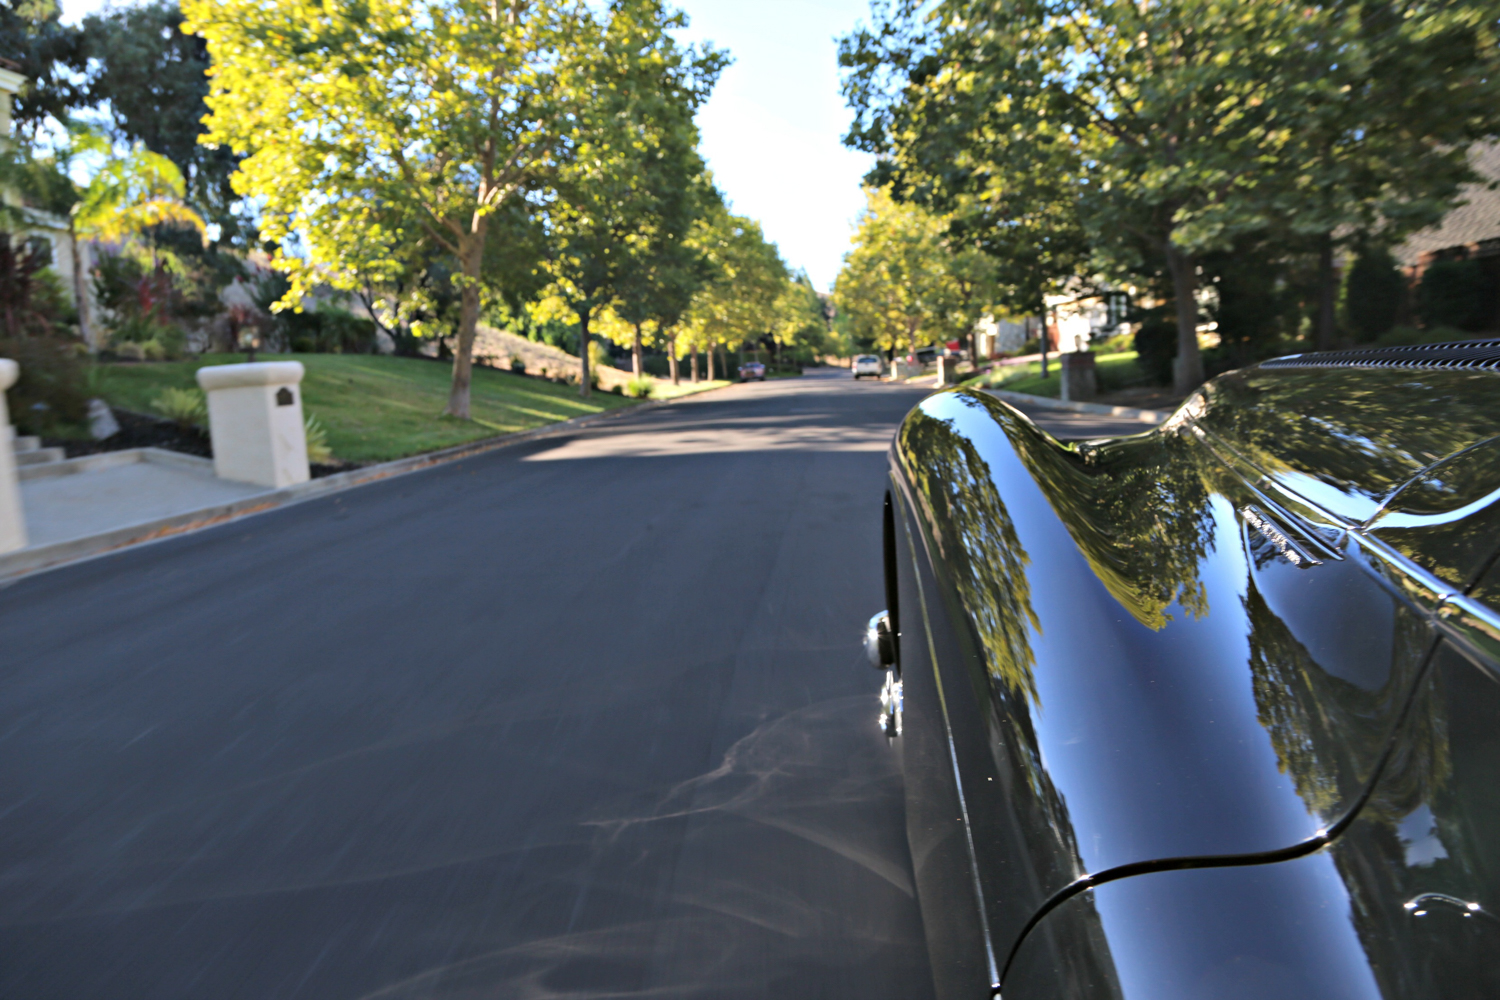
x=1079, y=381
x=255, y=420
x=12, y=517
x=947, y=370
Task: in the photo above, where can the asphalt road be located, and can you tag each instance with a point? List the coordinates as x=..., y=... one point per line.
x=586, y=717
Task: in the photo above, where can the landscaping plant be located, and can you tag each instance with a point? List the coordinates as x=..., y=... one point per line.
x=187, y=408
x=639, y=388
x=318, y=451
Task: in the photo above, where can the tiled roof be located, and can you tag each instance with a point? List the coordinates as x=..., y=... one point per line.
x=1473, y=222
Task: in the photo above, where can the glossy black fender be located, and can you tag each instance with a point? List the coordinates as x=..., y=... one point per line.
x=1188, y=651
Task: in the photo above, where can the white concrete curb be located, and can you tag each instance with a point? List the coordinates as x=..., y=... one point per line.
x=44, y=557
x=1046, y=402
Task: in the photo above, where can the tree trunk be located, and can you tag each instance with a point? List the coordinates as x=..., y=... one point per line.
x=1327, y=290
x=1187, y=373
x=584, y=388
x=471, y=259
x=636, y=362
x=695, y=362
x=672, y=358
x=79, y=289
x=1045, y=337
x=710, y=362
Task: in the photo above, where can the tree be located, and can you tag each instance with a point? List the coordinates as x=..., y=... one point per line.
x=800, y=323
x=49, y=54
x=629, y=194
x=1174, y=130
x=894, y=284
x=1165, y=104
x=367, y=126
x=154, y=79
x=665, y=272
x=1380, y=115
x=748, y=277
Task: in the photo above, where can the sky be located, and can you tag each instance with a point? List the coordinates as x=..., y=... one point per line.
x=772, y=129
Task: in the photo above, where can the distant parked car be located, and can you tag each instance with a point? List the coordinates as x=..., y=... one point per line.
x=923, y=356
x=752, y=370
x=867, y=364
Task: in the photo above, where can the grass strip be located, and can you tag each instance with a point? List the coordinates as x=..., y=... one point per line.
x=379, y=408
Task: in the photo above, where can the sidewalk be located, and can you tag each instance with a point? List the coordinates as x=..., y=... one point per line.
x=97, y=494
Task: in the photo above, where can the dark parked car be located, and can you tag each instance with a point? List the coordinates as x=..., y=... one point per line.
x=752, y=370
x=1214, y=710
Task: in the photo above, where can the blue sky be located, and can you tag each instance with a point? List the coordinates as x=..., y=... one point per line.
x=771, y=130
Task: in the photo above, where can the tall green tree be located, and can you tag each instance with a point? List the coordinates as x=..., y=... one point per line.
x=739, y=302
x=629, y=193
x=368, y=125
x=153, y=78
x=50, y=55
x=894, y=284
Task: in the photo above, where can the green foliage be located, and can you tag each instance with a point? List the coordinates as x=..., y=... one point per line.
x=187, y=408
x=1450, y=294
x=1374, y=292
x=1151, y=135
x=1156, y=344
x=143, y=303
x=51, y=57
x=639, y=388
x=52, y=393
x=739, y=303
x=317, y=439
x=152, y=77
x=329, y=330
x=1407, y=336
x=31, y=299
x=1254, y=305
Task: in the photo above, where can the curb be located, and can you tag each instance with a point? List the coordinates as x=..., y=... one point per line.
x=1047, y=403
x=15, y=565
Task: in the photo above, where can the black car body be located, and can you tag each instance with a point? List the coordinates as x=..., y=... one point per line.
x=1211, y=711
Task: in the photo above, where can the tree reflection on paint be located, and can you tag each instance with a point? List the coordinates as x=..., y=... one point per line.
x=1138, y=511
x=977, y=538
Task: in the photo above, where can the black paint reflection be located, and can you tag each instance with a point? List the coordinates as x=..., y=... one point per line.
x=1338, y=439
x=975, y=535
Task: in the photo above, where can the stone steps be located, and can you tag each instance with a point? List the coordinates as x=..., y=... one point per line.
x=29, y=451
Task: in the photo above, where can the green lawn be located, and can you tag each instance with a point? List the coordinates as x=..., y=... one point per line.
x=666, y=390
x=1114, y=371
x=379, y=408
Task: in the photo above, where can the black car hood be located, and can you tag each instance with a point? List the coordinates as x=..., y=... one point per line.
x=1185, y=649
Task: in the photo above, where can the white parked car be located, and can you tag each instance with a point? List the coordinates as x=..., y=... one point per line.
x=867, y=364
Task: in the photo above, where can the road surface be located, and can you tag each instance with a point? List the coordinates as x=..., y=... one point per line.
x=586, y=717
x=582, y=718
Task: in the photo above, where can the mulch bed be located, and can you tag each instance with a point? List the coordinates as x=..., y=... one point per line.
x=140, y=430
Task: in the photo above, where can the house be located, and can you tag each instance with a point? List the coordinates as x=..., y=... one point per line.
x=71, y=263
x=1471, y=231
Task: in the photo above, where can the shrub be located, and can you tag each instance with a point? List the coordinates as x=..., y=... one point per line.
x=317, y=440
x=328, y=330
x=1374, y=290
x=639, y=388
x=1405, y=336
x=1156, y=344
x=518, y=365
x=52, y=392
x=1450, y=294
x=187, y=408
